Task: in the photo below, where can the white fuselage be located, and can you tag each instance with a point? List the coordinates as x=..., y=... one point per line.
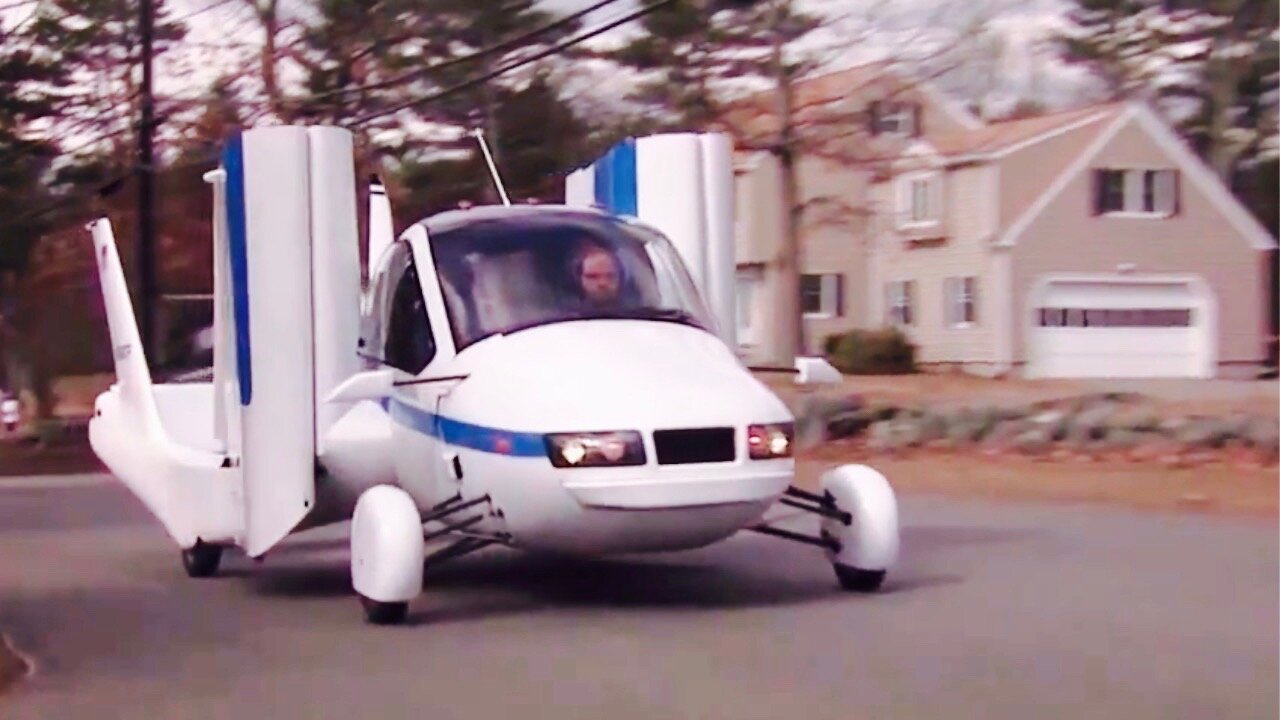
x=579, y=376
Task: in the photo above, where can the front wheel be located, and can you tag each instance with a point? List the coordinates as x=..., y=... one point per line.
x=384, y=613
x=202, y=559
x=857, y=580
x=867, y=546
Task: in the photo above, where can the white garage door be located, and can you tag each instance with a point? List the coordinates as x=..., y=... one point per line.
x=1120, y=327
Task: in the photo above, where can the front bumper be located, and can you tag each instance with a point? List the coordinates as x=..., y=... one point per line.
x=668, y=492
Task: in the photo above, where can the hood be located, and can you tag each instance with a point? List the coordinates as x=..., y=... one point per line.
x=608, y=375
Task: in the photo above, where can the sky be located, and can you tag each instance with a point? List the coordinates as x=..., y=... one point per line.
x=1011, y=60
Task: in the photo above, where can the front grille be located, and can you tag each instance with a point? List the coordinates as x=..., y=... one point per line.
x=694, y=445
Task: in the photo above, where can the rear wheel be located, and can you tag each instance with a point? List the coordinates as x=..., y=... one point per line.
x=202, y=559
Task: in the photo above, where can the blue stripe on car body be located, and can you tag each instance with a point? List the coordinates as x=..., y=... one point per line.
x=464, y=434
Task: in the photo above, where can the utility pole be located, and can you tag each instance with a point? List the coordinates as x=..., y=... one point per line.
x=146, y=192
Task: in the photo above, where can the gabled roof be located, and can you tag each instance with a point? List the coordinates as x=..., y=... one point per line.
x=1191, y=166
x=828, y=94
x=1003, y=137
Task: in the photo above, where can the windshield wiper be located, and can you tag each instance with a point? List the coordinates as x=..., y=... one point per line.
x=653, y=313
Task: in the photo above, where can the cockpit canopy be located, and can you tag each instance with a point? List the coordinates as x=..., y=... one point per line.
x=515, y=270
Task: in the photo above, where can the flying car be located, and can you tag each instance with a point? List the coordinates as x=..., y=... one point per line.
x=542, y=377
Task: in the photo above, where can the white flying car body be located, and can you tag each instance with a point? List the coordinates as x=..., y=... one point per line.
x=539, y=377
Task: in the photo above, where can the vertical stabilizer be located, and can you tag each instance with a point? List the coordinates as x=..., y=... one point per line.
x=185, y=488
x=381, y=228
x=132, y=374
x=268, y=204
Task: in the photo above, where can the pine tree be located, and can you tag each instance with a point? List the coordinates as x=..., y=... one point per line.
x=97, y=42
x=1208, y=65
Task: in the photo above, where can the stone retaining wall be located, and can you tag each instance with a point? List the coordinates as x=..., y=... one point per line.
x=1110, y=424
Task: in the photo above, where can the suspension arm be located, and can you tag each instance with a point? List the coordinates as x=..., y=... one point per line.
x=823, y=541
x=827, y=511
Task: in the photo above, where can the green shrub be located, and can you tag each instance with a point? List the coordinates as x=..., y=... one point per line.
x=871, y=352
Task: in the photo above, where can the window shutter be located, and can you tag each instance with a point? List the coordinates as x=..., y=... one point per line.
x=948, y=302
x=839, y=295
x=1099, y=189
x=903, y=187
x=873, y=117
x=1162, y=191
x=973, y=296
x=1177, y=191
x=908, y=292
x=935, y=198
x=917, y=120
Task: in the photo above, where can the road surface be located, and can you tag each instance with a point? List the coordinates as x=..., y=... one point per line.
x=997, y=611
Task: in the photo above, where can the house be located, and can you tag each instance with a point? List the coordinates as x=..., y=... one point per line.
x=1086, y=243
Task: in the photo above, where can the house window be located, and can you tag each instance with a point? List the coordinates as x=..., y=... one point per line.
x=1115, y=318
x=822, y=295
x=920, y=199
x=894, y=118
x=1136, y=192
x=961, y=297
x=901, y=295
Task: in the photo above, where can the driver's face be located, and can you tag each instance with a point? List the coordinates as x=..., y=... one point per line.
x=599, y=276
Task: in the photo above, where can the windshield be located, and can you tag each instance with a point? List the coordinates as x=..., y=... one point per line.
x=508, y=273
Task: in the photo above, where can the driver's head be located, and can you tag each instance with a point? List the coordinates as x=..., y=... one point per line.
x=598, y=273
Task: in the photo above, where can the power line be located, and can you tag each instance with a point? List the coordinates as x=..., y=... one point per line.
x=498, y=47
x=213, y=6
x=515, y=64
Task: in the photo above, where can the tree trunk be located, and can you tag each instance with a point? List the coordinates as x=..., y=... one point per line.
x=1223, y=78
x=790, y=326
x=270, y=26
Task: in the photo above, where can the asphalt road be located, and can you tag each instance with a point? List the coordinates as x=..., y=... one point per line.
x=997, y=611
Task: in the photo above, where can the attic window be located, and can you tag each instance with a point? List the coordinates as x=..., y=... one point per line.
x=1135, y=193
x=894, y=118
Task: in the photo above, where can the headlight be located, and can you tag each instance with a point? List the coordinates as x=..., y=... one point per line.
x=595, y=449
x=765, y=442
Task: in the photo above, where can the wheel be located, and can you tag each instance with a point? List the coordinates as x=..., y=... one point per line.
x=851, y=578
x=387, y=551
x=867, y=547
x=384, y=613
x=201, y=560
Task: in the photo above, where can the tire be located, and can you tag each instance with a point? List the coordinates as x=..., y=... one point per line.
x=856, y=580
x=384, y=613
x=201, y=560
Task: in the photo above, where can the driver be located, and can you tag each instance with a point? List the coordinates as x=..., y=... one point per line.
x=598, y=275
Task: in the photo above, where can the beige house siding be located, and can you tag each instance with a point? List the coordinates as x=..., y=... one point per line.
x=757, y=228
x=1200, y=240
x=832, y=239
x=969, y=217
x=1027, y=172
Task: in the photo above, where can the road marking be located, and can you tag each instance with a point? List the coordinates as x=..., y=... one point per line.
x=53, y=482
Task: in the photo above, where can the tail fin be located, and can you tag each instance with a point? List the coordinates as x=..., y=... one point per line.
x=187, y=489
x=381, y=228
x=132, y=373
x=286, y=325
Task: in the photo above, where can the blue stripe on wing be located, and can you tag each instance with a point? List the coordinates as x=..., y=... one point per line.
x=233, y=162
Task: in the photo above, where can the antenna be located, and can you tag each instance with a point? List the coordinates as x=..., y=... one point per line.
x=502, y=191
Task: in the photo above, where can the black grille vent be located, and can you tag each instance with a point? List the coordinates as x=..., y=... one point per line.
x=694, y=445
